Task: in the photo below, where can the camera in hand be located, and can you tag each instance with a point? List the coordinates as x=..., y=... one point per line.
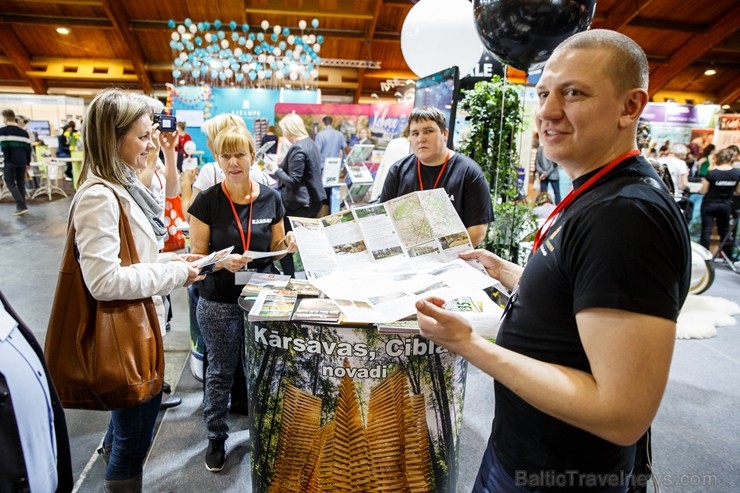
x=167, y=123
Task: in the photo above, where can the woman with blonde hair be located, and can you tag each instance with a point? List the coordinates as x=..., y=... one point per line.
x=117, y=140
x=299, y=175
x=247, y=215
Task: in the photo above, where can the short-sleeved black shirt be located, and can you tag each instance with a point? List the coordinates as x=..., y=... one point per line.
x=463, y=181
x=213, y=208
x=626, y=248
x=722, y=184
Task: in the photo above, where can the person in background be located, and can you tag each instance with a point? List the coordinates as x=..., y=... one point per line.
x=300, y=177
x=583, y=353
x=117, y=140
x=718, y=186
x=543, y=205
x=363, y=138
x=396, y=150
x=270, y=137
x=433, y=165
x=182, y=137
x=548, y=173
x=15, y=145
x=243, y=213
x=330, y=141
x=35, y=452
x=676, y=163
x=704, y=163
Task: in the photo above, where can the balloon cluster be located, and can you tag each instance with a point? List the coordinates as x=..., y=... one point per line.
x=231, y=54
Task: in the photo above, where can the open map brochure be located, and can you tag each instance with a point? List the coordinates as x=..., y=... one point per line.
x=375, y=261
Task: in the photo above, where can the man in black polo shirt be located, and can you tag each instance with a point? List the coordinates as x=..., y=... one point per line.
x=583, y=353
x=433, y=165
x=15, y=145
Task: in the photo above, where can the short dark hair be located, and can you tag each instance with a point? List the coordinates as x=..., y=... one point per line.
x=328, y=121
x=424, y=113
x=9, y=115
x=627, y=62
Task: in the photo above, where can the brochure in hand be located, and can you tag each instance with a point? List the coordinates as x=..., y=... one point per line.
x=207, y=263
x=273, y=304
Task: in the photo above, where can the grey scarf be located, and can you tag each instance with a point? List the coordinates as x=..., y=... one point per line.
x=147, y=201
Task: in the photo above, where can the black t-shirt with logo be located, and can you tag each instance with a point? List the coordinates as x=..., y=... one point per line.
x=463, y=181
x=213, y=208
x=626, y=248
x=722, y=184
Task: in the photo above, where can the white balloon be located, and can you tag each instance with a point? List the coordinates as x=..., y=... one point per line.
x=229, y=72
x=208, y=37
x=183, y=56
x=438, y=34
x=193, y=28
x=314, y=73
x=276, y=29
x=294, y=76
x=189, y=147
x=224, y=43
x=316, y=48
x=279, y=75
x=311, y=39
x=302, y=24
x=237, y=51
x=265, y=25
x=262, y=58
x=250, y=44
x=291, y=39
x=277, y=51
x=175, y=36
x=181, y=29
x=260, y=74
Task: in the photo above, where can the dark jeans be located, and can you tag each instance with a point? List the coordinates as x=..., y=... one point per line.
x=720, y=212
x=311, y=211
x=493, y=478
x=555, y=188
x=15, y=179
x=130, y=432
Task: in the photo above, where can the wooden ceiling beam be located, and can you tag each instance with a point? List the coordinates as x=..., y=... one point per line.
x=622, y=13
x=90, y=3
x=369, y=34
x=118, y=17
x=312, y=8
x=729, y=95
x=722, y=28
x=20, y=58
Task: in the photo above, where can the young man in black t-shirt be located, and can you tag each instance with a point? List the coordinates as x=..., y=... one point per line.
x=583, y=353
x=433, y=165
x=15, y=145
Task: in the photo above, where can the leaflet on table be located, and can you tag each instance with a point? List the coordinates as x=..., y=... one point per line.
x=388, y=296
x=255, y=255
x=414, y=229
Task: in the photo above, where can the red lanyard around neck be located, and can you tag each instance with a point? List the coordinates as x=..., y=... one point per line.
x=439, y=175
x=246, y=241
x=575, y=193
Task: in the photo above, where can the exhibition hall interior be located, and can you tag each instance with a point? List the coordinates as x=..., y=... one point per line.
x=285, y=299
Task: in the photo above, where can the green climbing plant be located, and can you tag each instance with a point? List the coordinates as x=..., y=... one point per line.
x=495, y=112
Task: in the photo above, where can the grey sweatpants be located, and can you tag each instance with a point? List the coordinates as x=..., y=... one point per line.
x=222, y=328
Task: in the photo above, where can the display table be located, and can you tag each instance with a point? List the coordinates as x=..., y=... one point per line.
x=50, y=172
x=346, y=409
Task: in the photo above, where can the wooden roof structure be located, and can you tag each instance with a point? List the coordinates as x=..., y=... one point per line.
x=126, y=42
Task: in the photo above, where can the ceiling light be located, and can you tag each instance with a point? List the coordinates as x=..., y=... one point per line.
x=710, y=71
x=63, y=30
x=726, y=106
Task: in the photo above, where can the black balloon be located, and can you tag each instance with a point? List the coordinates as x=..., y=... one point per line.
x=523, y=33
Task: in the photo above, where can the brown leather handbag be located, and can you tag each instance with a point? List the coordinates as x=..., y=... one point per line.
x=102, y=355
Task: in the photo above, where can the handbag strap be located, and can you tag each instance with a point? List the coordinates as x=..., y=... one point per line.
x=128, y=253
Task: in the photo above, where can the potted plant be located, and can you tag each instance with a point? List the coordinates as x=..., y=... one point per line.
x=495, y=113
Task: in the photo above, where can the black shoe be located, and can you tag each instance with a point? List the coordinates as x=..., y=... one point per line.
x=216, y=454
x=170, y=403
x=166, y=388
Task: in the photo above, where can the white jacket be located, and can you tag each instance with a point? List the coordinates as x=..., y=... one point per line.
x=96, y=223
